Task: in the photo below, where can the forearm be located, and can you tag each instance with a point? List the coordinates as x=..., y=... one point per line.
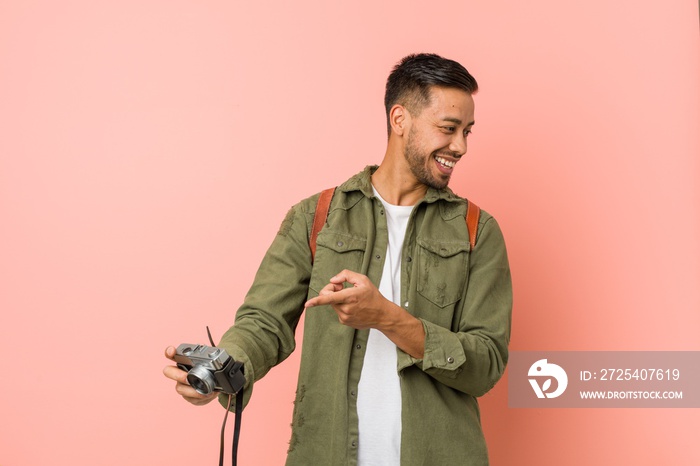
x=404, y=330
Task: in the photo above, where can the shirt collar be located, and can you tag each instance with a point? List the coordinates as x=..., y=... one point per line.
x=362, y=182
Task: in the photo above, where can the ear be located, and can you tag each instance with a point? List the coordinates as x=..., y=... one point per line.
x=400, y=119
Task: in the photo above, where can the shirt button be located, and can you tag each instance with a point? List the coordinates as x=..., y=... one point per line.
x=354, y=443
x=352, y=393
x=450, y=359
x=409, y=259
x=381, y=212
x=405, y=304
x=358, y=346
x=378, y=256
x=340, y=243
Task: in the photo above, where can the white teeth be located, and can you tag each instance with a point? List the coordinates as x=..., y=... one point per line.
x=446, y=163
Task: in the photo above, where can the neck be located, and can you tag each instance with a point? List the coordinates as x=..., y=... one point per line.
x=396, y=183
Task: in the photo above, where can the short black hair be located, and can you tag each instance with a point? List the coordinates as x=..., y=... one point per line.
x=411, y=79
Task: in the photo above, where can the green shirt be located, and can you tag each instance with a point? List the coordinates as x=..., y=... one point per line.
x=462, y=297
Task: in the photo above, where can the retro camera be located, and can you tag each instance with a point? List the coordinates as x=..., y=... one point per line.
x=210, y=369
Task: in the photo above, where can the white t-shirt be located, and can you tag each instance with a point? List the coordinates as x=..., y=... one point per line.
x=379, y=390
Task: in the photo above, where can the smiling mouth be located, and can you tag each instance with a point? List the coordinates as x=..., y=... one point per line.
x=445, y=163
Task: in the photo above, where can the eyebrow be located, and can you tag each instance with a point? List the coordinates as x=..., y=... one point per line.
x=457, y=121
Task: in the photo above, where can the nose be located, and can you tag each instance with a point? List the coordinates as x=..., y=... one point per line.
x=458, y=144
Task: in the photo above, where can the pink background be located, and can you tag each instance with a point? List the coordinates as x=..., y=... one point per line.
x=149, y=150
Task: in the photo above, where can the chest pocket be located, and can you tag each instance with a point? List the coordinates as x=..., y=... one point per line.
x=335, y=252
x=442, y=270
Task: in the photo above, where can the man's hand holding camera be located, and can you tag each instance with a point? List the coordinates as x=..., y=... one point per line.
x=182, y=387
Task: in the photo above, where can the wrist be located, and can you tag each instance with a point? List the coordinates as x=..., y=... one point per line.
x=404, y=330
x=392, y=317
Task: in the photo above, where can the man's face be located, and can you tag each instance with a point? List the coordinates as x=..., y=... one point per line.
x=437, y=137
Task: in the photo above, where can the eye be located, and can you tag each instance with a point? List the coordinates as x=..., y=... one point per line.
x=467, y=132
x=449, y=129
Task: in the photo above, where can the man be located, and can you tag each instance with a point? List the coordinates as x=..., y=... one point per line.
x=405, y=324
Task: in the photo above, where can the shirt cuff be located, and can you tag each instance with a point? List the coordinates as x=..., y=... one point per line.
x=442, y=351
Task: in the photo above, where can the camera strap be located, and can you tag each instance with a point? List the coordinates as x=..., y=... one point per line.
x=237, y=421
x=236, y=429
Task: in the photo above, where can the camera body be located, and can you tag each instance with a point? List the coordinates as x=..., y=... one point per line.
x=210, y=369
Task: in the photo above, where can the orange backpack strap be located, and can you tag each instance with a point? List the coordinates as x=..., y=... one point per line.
x=322, y=206
x=473, y=213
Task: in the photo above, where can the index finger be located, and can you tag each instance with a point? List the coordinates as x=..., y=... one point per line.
x=330, y=298
x=170, y=352
x=176, y=374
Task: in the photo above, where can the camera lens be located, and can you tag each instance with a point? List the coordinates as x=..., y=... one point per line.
x=201, y=380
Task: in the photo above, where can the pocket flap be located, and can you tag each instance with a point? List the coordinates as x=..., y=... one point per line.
x=340, y=242
x=442, y=248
